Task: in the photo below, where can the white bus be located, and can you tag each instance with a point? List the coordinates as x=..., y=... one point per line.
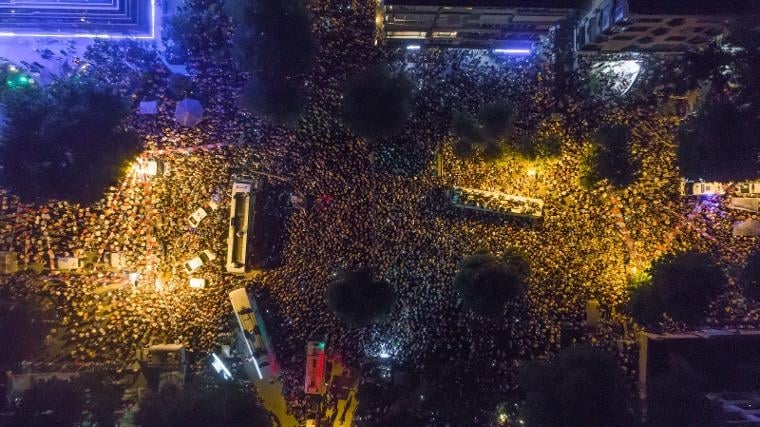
x=701, y=188
x=241, y=220
x=253, y=331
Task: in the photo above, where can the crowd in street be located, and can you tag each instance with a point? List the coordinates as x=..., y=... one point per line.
x=400, y=225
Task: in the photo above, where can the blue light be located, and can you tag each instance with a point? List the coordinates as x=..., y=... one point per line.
x=513, y=51
x=413, y=47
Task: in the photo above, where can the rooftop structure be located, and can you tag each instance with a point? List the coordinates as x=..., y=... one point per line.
x=512, y=26
x=78, y=18
x=724, y=359
x=672, y=26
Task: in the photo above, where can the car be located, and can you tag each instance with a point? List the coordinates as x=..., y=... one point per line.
x=203, y=258
x=197, y=283
x=196, y=217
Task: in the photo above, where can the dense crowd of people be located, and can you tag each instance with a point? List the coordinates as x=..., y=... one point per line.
x=400, y=225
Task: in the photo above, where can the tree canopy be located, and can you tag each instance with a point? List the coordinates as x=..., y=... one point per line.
x=87, y=399
x=272, y=37
x=21, y=332
x=682, y=286
x=719, y=143
x=64, y=142
x=497, y=120
x=610, y=157
x=490, y=129
x=358, y=299
x=487, y=283
x=377, y=102
x=580, y=387
x=201, y=405
x=750, y=277
x=273, y=41
x=279, y=100
x=52, y=403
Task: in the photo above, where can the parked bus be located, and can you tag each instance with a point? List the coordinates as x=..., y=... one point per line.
x=254, y=332
x=701, y=188
x=241, y=222
x=748, y=188
x=314, y=382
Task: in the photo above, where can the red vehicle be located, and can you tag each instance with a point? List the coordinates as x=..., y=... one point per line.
x=315, y=367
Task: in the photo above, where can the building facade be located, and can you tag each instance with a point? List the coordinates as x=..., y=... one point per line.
x=658, y=26
x=510, y=25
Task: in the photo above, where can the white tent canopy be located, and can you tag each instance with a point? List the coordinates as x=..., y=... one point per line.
x=189, y=112
x=148, y=107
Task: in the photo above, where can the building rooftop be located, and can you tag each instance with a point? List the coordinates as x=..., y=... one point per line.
x=78, y=18
x=724, y=359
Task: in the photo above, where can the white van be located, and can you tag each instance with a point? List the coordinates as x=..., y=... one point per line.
x=241, y=214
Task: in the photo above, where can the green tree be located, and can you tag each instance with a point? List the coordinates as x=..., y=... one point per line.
x=750, y=277
x=273, y=40
x=493, y=125
x=466, y=128
x=22, y=332
x=179, y=84
x=487, y=283
x=493, y=151
x=51, y=403
x=548, y=145
x=358, y=299
x=610, y=157
x=64, y=142
x=464, y=150
x=713, y=147
x=645, y=305
x=704, y=65
x=102, y=398
x=279, y=101
x=581, y=387
x=214, y=405
x=377, y=103
x=497, y=120
x=682, y=286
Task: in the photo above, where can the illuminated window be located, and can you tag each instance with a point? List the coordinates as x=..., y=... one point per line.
x=405, y=34
x=444, y=34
